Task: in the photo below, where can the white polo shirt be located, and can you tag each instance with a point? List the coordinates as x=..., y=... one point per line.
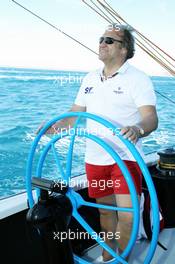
x=116, y=99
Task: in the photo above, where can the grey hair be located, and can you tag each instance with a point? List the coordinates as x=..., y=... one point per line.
x=128, y=38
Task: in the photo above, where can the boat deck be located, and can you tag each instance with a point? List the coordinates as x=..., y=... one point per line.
x=166, y=237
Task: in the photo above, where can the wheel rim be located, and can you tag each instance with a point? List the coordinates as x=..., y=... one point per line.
x=77, y=201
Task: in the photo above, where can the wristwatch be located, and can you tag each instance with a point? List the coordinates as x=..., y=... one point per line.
x=140, y=129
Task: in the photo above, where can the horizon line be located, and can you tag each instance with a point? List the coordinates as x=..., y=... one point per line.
x=72, y=70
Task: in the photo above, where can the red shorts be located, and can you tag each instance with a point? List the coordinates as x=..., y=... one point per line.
x=105, y=180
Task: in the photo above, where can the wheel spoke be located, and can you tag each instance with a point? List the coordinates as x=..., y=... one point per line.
x=101, y=242
x=108, y=207
x=57, y=160
x=70, y=151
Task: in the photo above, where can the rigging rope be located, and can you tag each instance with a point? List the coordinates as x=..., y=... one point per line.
x=64, y=33
x=117, y=18
x=142, y=46
x=155, y=52
x=140, y=33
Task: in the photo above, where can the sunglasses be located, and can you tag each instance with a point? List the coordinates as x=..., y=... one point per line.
x=109, y=40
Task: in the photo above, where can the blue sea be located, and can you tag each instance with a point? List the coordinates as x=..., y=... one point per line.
x=30, y=96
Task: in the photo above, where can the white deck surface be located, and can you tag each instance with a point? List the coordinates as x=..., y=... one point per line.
x=166, y=237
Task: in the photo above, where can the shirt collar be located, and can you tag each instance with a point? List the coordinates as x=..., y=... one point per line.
x=121, y=70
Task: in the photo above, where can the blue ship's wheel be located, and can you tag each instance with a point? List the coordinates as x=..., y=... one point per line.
x=78, y=201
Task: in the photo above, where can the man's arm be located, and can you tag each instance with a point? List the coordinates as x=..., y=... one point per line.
x=148, y=123
x=65, y=123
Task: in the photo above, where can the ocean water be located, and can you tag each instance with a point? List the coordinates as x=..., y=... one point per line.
x=30, y=96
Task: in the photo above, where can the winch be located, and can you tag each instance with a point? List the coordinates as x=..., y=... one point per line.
x=164, y=180
x=166, y=163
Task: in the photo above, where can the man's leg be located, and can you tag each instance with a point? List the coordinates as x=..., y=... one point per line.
x=125, y=221
x=108, y=221
x=123, y=199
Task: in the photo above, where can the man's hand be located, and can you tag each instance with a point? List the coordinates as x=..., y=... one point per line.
x=149, y=122
x=131, y=133
x=66, y=123
x=50, y=130
x=40, y=127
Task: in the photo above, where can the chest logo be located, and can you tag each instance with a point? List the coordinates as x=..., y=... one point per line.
x=88, y=90
x=118, y=90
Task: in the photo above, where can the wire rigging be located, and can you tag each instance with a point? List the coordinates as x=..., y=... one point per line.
x=106, y=11
x=153, y=50
x=150, y=48
x=53, y=26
